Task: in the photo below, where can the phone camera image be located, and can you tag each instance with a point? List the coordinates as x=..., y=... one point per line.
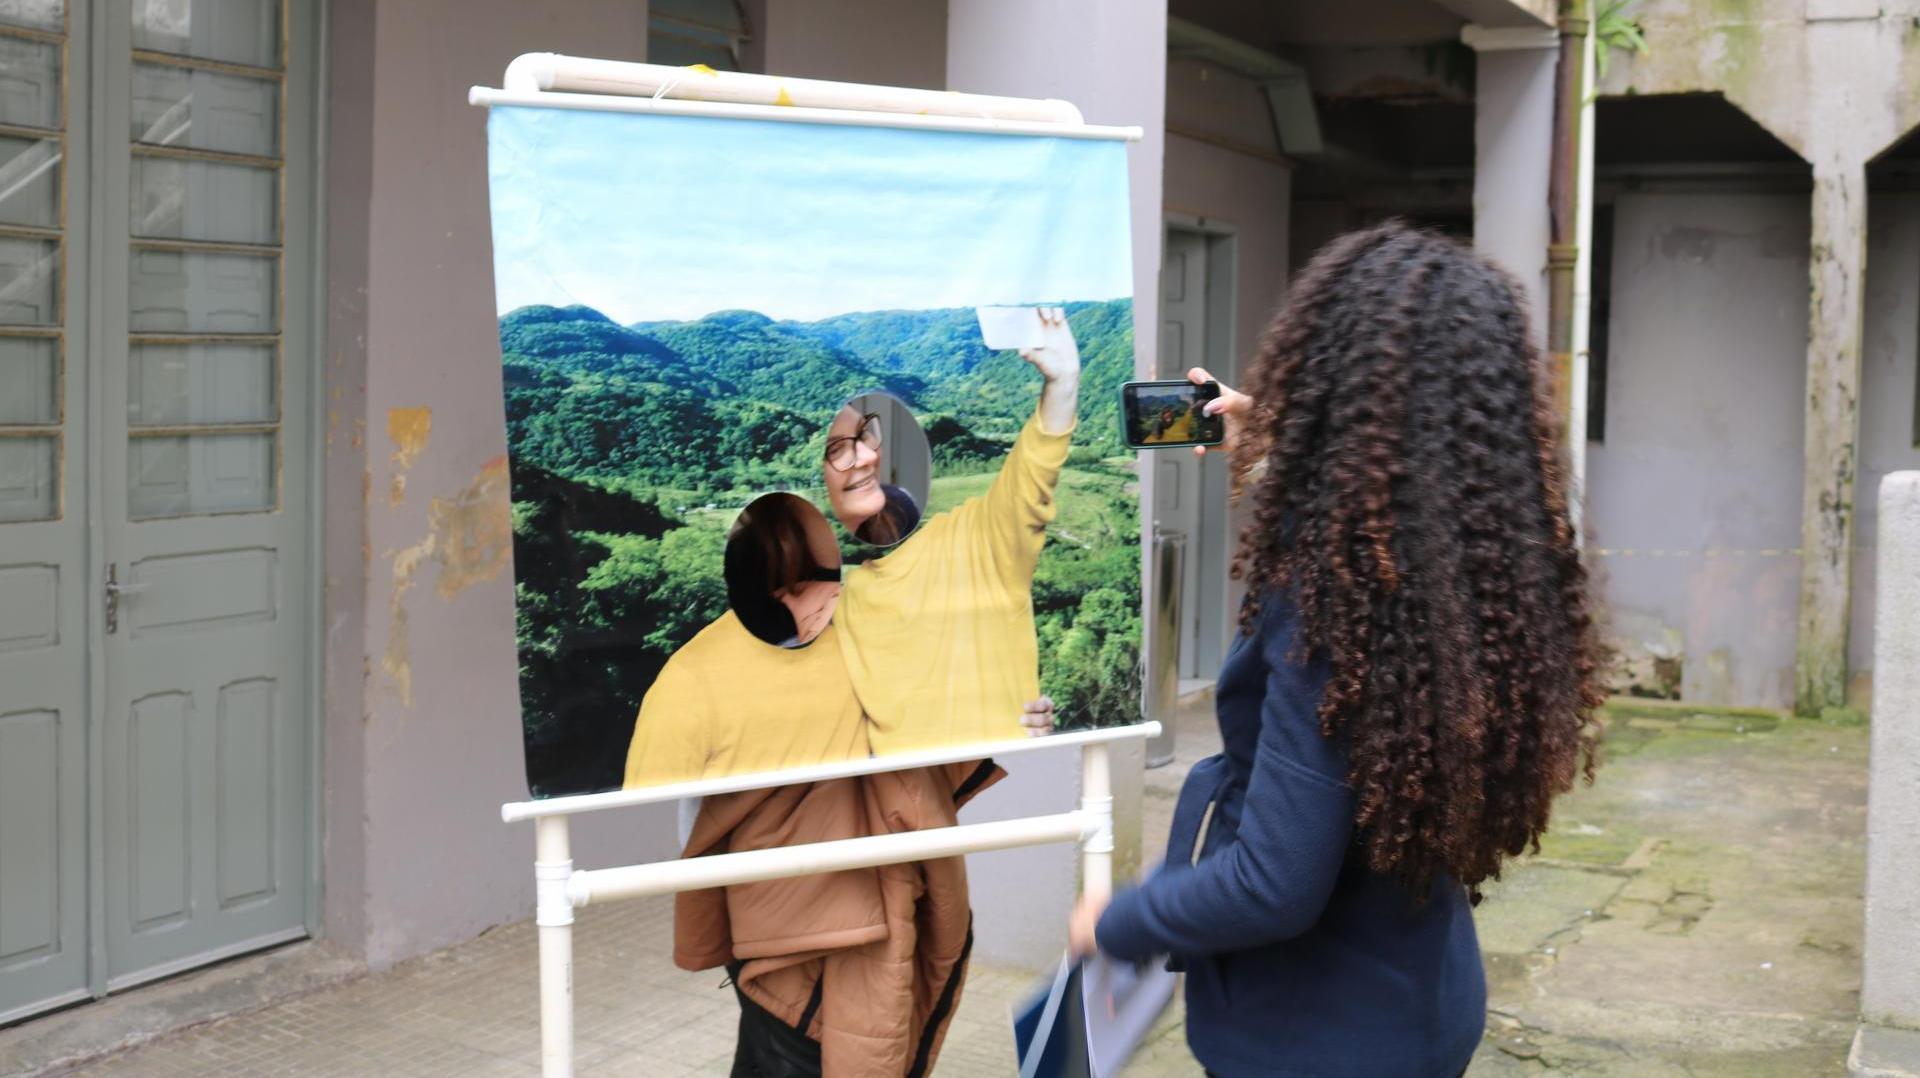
x=1162, y=415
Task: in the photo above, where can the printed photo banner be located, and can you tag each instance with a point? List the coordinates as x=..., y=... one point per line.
x=814, y=438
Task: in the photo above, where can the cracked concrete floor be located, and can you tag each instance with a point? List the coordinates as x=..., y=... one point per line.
x=1695, y=912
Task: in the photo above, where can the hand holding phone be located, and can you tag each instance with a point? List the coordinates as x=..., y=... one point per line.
x=1170, y=414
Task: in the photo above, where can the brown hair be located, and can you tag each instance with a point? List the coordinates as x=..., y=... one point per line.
x=1413, y=507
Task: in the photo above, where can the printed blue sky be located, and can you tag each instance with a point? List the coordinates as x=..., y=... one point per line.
x=674, y=217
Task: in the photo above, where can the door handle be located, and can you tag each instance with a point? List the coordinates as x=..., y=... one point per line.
x=113, y=590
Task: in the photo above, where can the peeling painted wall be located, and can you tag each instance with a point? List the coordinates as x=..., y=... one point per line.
x=1887, y=399
x=423, y=726
x=1795, y=66
x=1694, y=500
x=1835, y=81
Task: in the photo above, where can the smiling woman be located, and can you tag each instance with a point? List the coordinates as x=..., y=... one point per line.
x=878, y=469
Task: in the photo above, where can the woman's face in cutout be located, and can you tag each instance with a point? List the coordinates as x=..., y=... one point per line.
x=856, y=494
x=811, y=602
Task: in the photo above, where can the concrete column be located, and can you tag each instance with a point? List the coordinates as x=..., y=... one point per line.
x=1889, y=1040
x=1890, y=992
x=1109, y=57
x=1838, y=271
x=1513, y=153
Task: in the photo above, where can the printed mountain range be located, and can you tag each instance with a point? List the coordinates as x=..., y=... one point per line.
x=633, y=446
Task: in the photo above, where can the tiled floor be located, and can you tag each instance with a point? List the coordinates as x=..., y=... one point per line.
x=473, y=1010
x=1696, y=912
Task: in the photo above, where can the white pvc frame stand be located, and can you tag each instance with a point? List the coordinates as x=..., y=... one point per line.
x=561, y=888
x=553, y=81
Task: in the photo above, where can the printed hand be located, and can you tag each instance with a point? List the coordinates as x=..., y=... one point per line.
x=1037, y=716
x=1080, y=926
x=1236, y=406
x=1058, y=356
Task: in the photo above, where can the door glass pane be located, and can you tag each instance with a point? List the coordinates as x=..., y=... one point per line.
x=29, y=380
x=175, y=106
x=200, y=473
x=236, y=31
x=29, y=83
x=204, y=200
x=30, y=182
x=29, y=280
x=29, y=468
x=203, y=292
x=39, y=14
x=201, y=383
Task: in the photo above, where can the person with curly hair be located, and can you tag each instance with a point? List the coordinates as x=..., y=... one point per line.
x=1414, y=682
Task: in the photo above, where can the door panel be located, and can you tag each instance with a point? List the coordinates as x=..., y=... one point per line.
x=1183, y=345
x=44, y=584
x=153, y=491
x=204, y=454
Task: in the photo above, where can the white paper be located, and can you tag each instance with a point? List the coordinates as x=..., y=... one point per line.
x=1010, y=327
x=1123, y=1001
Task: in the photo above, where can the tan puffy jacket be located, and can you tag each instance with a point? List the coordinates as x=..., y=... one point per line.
x=869, y=962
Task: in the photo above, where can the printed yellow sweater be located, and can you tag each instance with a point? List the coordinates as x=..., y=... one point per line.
x=938, y=634
x=728, y=703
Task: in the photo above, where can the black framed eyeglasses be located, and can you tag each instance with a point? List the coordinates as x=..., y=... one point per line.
x=843, y=451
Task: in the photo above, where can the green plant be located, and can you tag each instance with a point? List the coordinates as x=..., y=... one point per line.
x=1615, y=29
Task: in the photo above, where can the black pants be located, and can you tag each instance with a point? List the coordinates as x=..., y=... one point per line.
x=770, y=1048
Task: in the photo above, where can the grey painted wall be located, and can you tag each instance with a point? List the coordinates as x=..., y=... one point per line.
x=884, y=42
x=1887, y=400
x=422, y=720
x=1513, y=143
x=1694, y=500
x=1222, y=166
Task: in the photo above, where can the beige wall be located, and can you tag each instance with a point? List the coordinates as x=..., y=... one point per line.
x=422, y=737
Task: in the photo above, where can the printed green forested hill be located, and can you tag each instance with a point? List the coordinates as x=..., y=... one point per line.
x=633, y=447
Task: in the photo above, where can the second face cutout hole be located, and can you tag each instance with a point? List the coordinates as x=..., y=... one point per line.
x=782, y=568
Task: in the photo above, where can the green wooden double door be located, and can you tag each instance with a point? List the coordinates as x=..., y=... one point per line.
x=156, y=249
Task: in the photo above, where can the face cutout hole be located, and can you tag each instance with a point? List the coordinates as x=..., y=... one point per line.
x=782, y=568
x=878, y=469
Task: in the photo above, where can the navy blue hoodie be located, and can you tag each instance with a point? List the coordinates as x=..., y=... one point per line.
x=1299, y=959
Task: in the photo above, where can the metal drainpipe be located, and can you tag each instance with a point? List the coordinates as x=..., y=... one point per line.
x=1563, y=249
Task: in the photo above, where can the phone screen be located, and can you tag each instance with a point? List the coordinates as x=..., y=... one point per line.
x=1158, y=415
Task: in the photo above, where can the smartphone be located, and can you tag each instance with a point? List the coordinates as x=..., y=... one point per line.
x=1161, y=415
x=1004, y=328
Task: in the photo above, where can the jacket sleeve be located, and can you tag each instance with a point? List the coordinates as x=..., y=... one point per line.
x=1271, y=882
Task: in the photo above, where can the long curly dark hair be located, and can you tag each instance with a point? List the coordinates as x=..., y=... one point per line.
x=1407, y=495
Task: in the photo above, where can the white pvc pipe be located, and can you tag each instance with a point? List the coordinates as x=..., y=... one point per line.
x=481, y=95
x=552, y=865
x=1582, y=343
x=514, y=811
x=552, y=72
x=752, y=866
x=1096, y=803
